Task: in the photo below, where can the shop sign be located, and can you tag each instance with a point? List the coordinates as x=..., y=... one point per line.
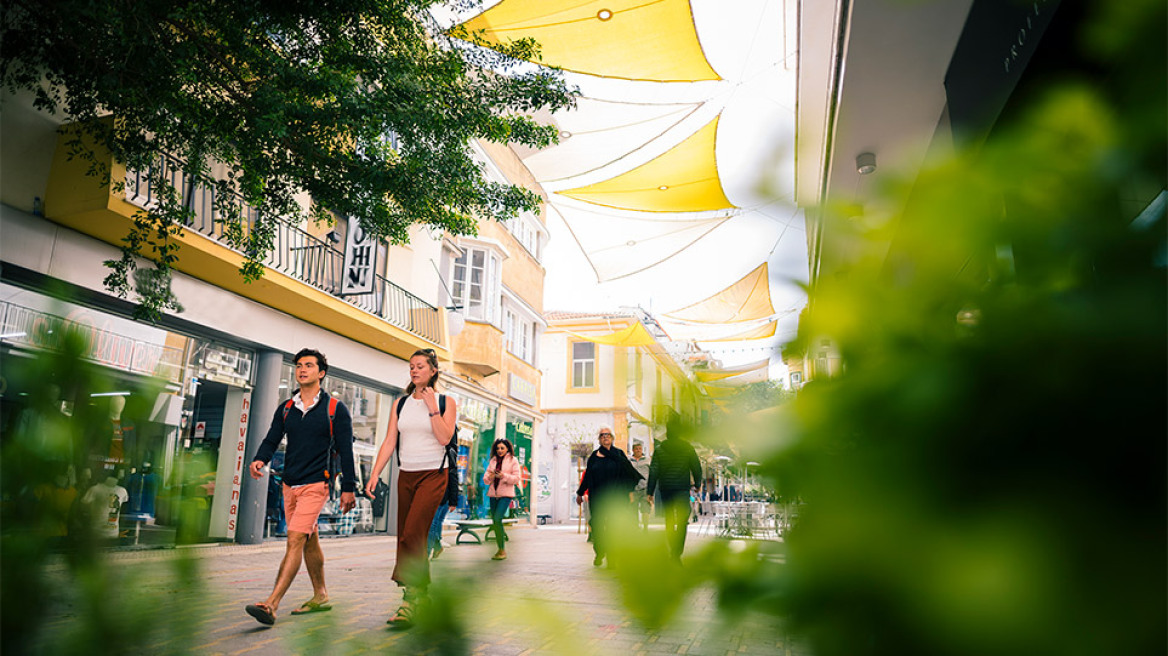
x=46, y=331
x=360, y=270
x=200, y=429
x=224, y=365
x=521, y=389
x=237, y=471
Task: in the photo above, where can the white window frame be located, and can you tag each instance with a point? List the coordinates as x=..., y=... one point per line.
x=585, y=366
x=486, y=307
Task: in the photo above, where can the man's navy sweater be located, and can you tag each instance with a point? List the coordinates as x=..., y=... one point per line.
x=306, y=457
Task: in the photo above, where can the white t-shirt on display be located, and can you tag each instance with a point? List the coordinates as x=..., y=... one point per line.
x=106, y=500
x=418, y=448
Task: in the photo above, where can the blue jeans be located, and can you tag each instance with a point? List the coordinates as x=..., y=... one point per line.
x=499, y=506
x=435, y=539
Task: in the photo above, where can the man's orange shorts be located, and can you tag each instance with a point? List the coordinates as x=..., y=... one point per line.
x=302, y=506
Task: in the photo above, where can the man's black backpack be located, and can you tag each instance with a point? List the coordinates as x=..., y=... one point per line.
x=450, y=462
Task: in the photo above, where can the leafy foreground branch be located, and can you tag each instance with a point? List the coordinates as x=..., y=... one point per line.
x=355, y=108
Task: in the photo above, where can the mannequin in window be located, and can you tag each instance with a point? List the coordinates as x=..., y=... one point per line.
x=143, y=488
x=104, y=501
x=43, y=428
x=122, y=433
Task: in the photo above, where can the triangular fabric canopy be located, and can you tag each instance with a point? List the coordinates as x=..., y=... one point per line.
x=683, y=179
x=634, y=335
x=702, y=333
x=756, y=376
x=716, y=392
x=749, y=299
x=762, y=332
x=619, y=246
x=598, y=133
x=719, y=374
x=628, y=39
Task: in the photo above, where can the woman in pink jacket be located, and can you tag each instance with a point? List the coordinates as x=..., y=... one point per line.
x=501, y=477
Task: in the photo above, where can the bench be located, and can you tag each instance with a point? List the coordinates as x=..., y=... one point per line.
x=468, y=527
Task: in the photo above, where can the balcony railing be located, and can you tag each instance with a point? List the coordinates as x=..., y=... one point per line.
x=294, y=252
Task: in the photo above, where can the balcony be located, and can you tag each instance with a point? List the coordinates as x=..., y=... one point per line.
x=302, y=275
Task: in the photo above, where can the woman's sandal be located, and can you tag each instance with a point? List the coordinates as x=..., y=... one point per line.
x=403, y=618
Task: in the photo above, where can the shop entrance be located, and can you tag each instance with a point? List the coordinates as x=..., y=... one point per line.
x=206, y=461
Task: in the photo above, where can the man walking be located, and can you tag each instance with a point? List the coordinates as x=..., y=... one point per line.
x=674, y=464
x=644, y=501
x=316, y=425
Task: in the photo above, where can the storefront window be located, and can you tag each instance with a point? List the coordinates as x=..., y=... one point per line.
x=476, y=433
x=519, y=432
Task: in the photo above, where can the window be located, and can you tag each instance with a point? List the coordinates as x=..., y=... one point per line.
x=519, y=336
x=523, y=228
x=639, y=373
x=476, y=283
x=583, y=365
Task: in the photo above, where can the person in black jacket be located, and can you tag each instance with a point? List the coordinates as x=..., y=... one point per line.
x=675, y=469
x=315, y=424
x=609, y=479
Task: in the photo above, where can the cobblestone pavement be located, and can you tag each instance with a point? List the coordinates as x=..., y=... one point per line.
x=546, y=598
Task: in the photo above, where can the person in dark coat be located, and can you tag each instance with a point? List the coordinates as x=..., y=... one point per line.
x=609, y=479
x=675, y=469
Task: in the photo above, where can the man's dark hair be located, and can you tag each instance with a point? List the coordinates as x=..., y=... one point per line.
x=321, y=361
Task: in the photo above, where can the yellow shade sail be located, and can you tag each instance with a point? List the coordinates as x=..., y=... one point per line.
x=762, y=332
x=749, y=299
x=703, y=332
x=652, y=40
x=720, y=374
x=683, y=179
x=717, y=392
x=598, y=133
x=634, y=335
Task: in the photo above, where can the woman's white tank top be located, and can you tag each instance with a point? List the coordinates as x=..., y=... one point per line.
x=418, y=448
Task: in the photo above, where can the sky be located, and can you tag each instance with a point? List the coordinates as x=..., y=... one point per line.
x=751, y=44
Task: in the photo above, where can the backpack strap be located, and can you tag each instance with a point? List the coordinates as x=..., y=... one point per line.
x=332, y=413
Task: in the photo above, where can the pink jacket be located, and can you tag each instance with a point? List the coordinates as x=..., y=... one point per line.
x=507, y=480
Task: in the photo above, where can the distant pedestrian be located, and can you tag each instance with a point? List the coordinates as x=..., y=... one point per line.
x=315, y=424
x=424, y=424
x=643, y=501
x=609, y=479
x=675, y=469
x=502, y=475
x=449, y=504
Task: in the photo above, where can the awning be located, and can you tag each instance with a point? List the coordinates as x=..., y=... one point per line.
x=634, y=335
x=683, y=179
x=652, y=40
x=619, y=245
x=598, y=133
x=727, y=372
x=749, y=299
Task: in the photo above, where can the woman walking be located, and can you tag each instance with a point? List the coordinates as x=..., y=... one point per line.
x=609, y=479
x=501, y=477
x=419, y=429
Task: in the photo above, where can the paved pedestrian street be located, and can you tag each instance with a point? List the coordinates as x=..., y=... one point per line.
x=547, y=598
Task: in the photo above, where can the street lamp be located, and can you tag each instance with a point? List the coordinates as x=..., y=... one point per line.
x=722, y=460
x=746, y=476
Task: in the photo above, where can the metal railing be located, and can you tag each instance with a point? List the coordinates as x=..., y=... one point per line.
x=294, y=251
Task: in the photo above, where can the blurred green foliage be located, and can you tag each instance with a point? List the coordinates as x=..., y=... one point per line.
x=987, y=475
x=60, y=593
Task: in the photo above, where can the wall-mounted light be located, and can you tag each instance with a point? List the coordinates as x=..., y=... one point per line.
x=865, y=163
x=455, y=321
x=334, y=236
